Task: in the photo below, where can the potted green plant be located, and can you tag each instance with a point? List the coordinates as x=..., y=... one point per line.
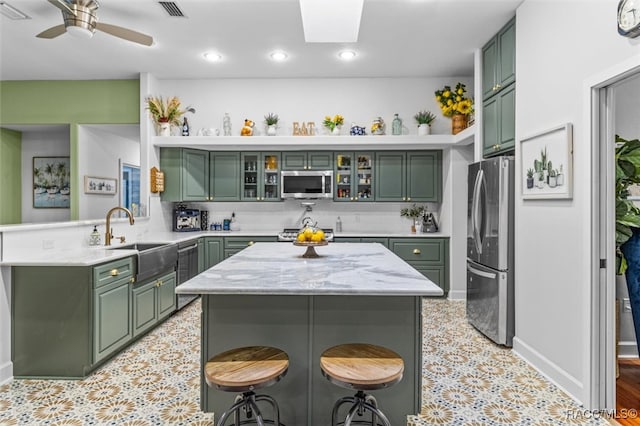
x=413, y=212
x=271, y=121
x=424, y=119
x=166, y=112
x=529, y=178
x=333, y=124
x=628, y=222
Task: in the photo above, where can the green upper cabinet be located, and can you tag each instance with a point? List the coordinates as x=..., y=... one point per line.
x=224, y=176
x=499, y=92
x=499, y=61
x=260, y=176
x=499, y=122
x=408, y=176
x=311, y=160
x=353, y=172
x=196, y=175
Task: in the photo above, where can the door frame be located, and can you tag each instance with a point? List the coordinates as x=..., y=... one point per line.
x=599, y=124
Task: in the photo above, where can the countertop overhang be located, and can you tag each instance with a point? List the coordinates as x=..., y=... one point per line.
x=342, y=269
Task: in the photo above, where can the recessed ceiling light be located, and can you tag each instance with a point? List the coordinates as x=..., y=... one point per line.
x=347, y=55
x=212, y=57
x=278, y=56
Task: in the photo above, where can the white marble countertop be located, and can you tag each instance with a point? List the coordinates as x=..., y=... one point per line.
x=341, y=269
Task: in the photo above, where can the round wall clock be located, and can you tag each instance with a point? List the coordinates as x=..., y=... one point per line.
x=629, y=18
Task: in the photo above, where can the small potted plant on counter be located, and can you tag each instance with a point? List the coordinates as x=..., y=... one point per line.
x=271, y=121
x=424, y=120
x=414, y=212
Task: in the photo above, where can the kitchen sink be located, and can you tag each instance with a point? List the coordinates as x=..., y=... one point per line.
x=152, y=258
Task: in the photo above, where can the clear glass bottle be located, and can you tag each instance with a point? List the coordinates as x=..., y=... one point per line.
x=185, y=127
x=226, y=124
x=396, y=125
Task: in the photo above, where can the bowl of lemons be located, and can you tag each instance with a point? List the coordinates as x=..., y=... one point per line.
x=310, y=237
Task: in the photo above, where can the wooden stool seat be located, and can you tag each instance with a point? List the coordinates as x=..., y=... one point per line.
x=246, y=368
x=362, y=366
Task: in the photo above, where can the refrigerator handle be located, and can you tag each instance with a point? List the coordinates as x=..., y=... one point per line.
x=475, y=219
x=480, y=273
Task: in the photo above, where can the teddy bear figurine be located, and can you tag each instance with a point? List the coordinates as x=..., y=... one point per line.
x=247, y=129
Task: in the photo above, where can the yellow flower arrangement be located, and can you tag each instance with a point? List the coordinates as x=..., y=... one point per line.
x=166, y=110
x=332, y=123
x=454, y=101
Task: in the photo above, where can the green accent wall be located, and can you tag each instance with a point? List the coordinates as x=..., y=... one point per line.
x=10, y=177
x=70, y=102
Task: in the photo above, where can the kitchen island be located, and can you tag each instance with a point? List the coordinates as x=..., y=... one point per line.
x=354, y=292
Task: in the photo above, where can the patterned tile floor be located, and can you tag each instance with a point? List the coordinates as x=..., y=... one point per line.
x=466, y=381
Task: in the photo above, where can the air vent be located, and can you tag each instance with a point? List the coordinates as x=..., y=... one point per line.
x=171, y=8
x=11, y=12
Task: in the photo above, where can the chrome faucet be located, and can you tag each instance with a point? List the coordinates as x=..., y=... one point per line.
x=109, y=235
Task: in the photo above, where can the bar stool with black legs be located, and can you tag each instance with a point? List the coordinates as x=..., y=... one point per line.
x=244, y=370
x=362, y=367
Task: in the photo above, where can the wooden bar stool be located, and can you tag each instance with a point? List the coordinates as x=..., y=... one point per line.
x=245, y=370
x=361, y=367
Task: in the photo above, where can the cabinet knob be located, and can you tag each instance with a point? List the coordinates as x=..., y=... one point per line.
x=416, y=251
x=408, y=198
x=352, y=198
x=132, y=280
x=404, y=198
x=498, y=86
x=114, y=272
x=250, y=243
x=158, y=283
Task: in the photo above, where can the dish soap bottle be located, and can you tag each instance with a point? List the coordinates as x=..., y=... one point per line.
x=94, y=237
x=234, y=225
x=338, y=225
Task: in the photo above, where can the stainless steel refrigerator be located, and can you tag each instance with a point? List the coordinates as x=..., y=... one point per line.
x=490, y=298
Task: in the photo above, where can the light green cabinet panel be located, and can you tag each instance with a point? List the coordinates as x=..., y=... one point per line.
x=11, y=177
x=201, y=255
x=390, y=171
x=499, y=61
x=411, y=176
x=498, y=130
x=429, y=256
x=424, y=176
x=145, y=311
x=214, y=250
x=382, y=240
x=186, y=174
x=112, y=322
x=307, y=160
x=224, y=176
x=111, y=272
x=153, y=301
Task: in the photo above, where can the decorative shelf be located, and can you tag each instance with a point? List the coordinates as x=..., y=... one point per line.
x=323, y=142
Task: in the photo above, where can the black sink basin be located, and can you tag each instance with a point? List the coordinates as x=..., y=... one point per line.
x=152, y=259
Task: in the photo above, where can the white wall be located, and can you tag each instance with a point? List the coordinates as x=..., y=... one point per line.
x=53, y=143
x=101, y=148
x=555, y=55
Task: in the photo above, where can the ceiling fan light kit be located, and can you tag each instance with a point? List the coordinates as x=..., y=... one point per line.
x=81, y=20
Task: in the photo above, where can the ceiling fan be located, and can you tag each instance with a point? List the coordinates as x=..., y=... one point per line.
x=80, y=19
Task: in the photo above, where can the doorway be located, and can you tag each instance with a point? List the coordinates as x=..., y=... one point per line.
x=607, y=113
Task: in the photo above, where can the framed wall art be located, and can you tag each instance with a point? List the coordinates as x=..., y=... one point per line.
x=100, y=185
x=547, y=160
x=51, y=182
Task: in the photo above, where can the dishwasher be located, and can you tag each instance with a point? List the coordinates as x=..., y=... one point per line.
x=187, y=269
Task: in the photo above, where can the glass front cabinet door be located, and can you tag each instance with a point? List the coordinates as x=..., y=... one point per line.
x=260, y=176
x=354, y=176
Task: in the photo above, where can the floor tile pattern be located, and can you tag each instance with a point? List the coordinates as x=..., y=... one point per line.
x=466, y=381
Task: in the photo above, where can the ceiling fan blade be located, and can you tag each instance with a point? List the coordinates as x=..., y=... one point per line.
x=63, y=6
x=53, y=32
x=125, y=33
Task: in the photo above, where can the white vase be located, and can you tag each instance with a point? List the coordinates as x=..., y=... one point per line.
x=336, y=131
x=424, y=130
x=164, y=129
x=271, y=130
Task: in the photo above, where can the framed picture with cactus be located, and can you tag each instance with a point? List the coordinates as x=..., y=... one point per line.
x=546, y=164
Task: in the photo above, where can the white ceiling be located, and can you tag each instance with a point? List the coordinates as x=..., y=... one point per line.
x=398, y=38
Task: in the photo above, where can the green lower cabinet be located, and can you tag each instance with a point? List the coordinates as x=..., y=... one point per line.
x=201, y=255
x=382, y=240
x=213, y=251
x=429, y=256
x=112, y=322
x=233, y=245
x=153, y=301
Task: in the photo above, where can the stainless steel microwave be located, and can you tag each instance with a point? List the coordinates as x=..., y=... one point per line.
x=306, y=184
